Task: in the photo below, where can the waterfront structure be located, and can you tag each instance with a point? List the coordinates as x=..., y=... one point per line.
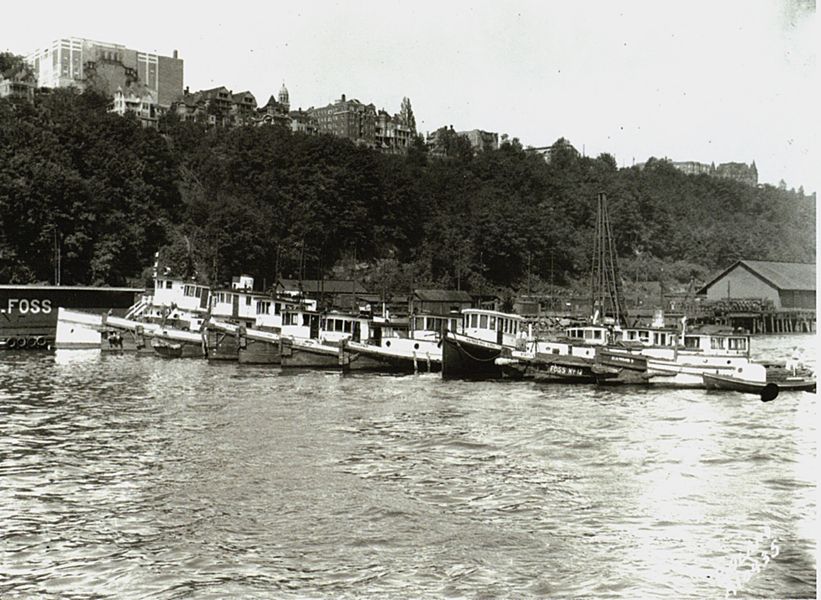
x=786, y=285
x=439, y=302
x=339, y=293
x=82, y=63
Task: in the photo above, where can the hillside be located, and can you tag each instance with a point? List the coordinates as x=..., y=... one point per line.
x=265, y=200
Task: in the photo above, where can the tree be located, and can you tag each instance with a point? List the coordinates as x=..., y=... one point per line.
x=406, y=115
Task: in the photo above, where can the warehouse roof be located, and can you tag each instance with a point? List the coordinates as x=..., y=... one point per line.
x=780, y=275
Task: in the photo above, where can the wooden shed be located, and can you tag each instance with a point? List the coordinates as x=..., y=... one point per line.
x=787, y=285
x=440, y=302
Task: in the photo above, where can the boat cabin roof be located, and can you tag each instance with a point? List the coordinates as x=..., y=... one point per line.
x=492, y=313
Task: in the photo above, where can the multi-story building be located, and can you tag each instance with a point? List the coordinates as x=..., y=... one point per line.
x=692, y=167
x=391, y=133
x=741, y=172
x=546, y=152
x=217, y=106
x=275, y=112
x=481, y=140
x=738, y=172
x=81, y=63
x=20, y=89
x=302, y=122
x=349, y=119
x=138, y=101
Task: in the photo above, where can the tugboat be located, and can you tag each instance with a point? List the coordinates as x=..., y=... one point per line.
x=28, y=313
x=485, y=336
x=412, y=347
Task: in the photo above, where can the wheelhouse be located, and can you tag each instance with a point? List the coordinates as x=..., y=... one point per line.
x=594, y=335
x=651, y=336
x=425, y=327
x=301, y=322
x=492, y=326
x=335, y=327
x=717, y=343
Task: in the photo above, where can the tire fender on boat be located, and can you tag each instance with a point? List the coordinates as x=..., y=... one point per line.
x=770, y=392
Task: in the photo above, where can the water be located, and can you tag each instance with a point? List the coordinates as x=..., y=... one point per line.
x=138, y=477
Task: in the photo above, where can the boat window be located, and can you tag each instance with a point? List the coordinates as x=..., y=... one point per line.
x=474, y=321
x=168, y=285
x=597, y=334
x=588, y=335
x=737, y=343
x=482, y=321
x=644, y=336
x=716, y=343
x=277, y=308
x=515, y=327
x=632, y=335
x=454, y=323
x=656, y=339
x=247, y=300
x=347, y=326
x=493, y=323
x=691, y=341
x=306, y=320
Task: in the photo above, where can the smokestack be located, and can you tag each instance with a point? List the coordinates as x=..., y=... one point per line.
x=175, y=54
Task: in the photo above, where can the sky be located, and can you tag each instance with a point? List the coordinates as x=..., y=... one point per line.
x=690, y=80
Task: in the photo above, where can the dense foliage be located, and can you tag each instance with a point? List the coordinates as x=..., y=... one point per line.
x=264, y=200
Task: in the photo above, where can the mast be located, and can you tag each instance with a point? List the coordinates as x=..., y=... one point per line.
x=605, y=284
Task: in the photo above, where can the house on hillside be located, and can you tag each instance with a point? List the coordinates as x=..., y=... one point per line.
x=786, y=285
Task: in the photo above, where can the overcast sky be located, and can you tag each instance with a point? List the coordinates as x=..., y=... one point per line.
x=691, y=80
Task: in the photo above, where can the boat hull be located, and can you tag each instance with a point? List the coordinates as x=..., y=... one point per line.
x=260, y=352
x=222, y=345
x=28, y=313
x=362, y=357
x=467, y=358
x=722, y=382
x=308, y=354
x=177, y=350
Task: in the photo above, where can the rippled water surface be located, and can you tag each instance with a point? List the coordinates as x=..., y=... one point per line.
x=138, y=477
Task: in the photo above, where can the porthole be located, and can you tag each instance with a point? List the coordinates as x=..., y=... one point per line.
x=416, y=346
x=387, y=344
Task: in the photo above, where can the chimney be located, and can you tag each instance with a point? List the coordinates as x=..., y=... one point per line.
x=343, y=97
x=175, y=54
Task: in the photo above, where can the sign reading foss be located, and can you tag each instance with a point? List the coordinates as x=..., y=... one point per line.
x=25, y=306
